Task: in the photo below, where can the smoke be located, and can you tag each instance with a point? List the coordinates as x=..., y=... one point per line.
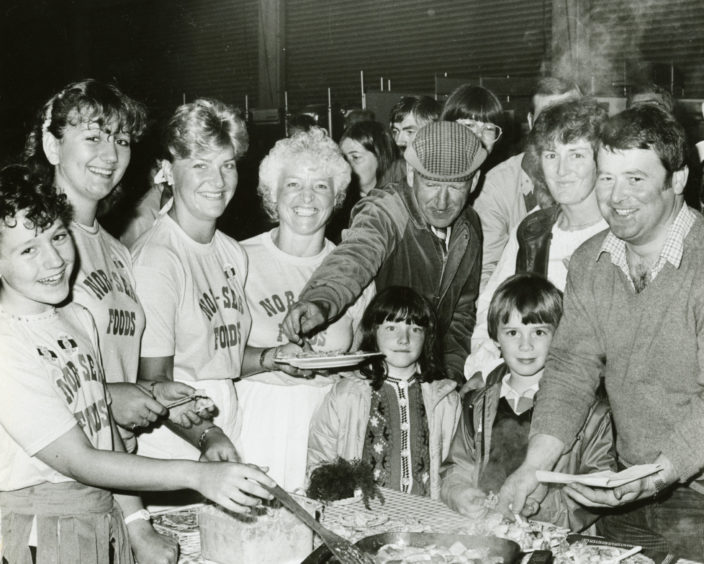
x=601, y=47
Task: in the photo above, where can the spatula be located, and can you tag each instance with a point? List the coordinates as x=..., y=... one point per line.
x=341, y=548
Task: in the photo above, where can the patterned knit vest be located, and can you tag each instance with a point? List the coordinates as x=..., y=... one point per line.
x=396, y=442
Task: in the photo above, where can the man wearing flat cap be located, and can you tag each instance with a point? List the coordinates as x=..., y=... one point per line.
x=421, y=234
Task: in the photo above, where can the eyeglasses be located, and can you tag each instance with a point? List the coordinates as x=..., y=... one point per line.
x=484, y=129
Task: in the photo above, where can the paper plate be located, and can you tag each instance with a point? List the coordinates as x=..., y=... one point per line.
x=326, y=361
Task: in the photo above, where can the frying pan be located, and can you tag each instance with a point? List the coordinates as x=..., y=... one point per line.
x=509, y=550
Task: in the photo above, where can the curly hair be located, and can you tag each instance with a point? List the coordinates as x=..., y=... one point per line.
x=307, y=147
x=400, y=303
x=86, y=101
x=376, y=139
x=533, y=296
x=204, y=125
x=21, y=190
x=568, y=122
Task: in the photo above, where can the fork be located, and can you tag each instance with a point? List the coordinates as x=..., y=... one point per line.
x=620, y=557
x=341, y=548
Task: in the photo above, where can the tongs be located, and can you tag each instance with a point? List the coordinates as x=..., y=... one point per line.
x=341, y=548
x=186, y=399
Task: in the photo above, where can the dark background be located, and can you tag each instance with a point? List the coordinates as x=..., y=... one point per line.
x=164, y=51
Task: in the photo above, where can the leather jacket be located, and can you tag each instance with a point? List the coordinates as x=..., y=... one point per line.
x=534, y=234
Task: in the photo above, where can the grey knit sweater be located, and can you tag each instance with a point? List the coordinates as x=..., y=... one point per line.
x=649, y=347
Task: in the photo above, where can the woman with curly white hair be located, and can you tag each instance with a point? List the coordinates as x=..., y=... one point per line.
x=301, y=181
x=190, y=280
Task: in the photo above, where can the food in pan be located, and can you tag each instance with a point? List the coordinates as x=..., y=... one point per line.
x=455, y=554
x=582, y=553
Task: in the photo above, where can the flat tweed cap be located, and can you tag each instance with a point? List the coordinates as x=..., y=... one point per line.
x=446, y=151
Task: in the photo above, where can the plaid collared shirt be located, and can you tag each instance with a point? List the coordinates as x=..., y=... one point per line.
x=671, y=251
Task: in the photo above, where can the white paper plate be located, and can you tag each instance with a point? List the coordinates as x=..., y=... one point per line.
x=606, y=479
x=327, y=361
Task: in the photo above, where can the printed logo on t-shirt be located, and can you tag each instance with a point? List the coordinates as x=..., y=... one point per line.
x=67, y=343
x=100, y=283
x=74, y=370
x=276, y=305
x=214, y=305
x=47, y=354
x=230, y=274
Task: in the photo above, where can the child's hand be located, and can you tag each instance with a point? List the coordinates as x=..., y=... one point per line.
x=234, y=486
x=470, y=503
x=150, y=547
x=133, y=407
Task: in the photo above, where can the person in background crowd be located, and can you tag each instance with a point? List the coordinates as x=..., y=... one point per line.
x=421, y=234
x=401, y=415
x=190, y=280
x=372, y=154
x=650, y=93
x=356, y=115
x=492, y=438
x=62, y=456
x=300, y=122
x=480, y=110
x=564, y=140
x=81, y=143
x=409, y=114
x=375, y=162
x=633, y=317
x=301, y=180
x=508, y=193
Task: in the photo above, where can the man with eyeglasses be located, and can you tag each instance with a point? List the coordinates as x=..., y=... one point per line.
x=508, y=193
x=419, y=234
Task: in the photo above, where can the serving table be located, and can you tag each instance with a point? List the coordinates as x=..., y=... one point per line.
x=350, y=518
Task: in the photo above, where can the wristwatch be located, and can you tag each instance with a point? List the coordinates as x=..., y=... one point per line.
x=141, y=514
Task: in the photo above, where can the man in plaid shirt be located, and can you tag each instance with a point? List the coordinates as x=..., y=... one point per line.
x=634, y=318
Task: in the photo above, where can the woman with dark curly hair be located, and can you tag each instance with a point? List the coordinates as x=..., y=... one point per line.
x=81, y=143
x=400, y=416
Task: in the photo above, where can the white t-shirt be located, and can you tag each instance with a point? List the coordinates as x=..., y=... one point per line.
x=105, y=286
x=276, y=409
x=275, y=279
x=193, y=297
x=51, y=380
